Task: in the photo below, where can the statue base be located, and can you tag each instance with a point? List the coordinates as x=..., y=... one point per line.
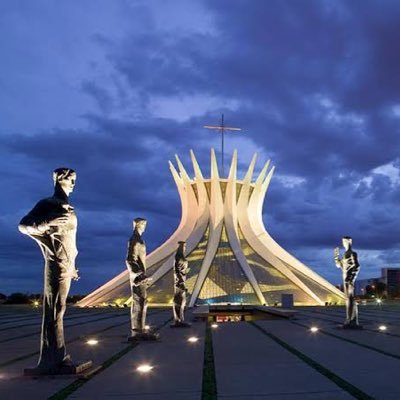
x=352, y=327
x=178, y=324
x=143, y=336
x=73, y=369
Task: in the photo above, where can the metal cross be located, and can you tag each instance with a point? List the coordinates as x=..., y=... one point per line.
x=222, y=128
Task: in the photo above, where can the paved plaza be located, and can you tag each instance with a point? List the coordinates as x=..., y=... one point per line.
x=262, y=359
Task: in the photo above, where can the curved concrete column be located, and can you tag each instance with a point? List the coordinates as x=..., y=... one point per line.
x=201, y=210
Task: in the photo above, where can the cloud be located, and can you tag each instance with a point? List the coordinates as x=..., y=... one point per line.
x=115, y=90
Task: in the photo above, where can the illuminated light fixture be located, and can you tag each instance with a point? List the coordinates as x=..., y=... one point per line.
x=92, y=342
x=379, y=301
x=314, y=329
x=36, y=303
x=193, y=339
x=144, y=368
x=147, y=327
x=214, y=326
x=382, y=328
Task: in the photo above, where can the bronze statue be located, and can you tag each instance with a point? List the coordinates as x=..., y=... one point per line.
x=180, y=271
x=350, y=269
x=136, y=264
x=52, y=223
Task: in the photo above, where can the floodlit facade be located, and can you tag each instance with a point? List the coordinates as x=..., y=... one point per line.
x=232, y=258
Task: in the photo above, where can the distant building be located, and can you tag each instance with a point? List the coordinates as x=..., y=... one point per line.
x=390, y=277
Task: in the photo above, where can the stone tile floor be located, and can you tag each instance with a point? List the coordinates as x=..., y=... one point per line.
x=263, y=359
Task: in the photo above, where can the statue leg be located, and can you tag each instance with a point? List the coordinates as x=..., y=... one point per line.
x=138, y=308
x=61, y=307
x=177, y=306
x=353, y=312
x=143, y=303
x=183, y=305
x=179, y=309
x=135, y=310
x=52, y=348
x=348, y=303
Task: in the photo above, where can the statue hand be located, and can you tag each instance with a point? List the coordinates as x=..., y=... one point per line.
x=75, y=275
x=337, y=259
x=59, y=221
x=142, y=280
x=50, y=227
x=336, y=253
x=149, y=280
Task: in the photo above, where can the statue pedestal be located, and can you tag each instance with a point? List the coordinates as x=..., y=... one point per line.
x=180, y=325
x=143, y=337
x=72, y=369
x=352, y=327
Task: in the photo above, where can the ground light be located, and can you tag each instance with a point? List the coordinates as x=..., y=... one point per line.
x=193, y=339
x=382, y=328
x=214, y=326
x=147, y=327
x=92, y=342
x=144, y=368
x=314, y=329
x=36, y=303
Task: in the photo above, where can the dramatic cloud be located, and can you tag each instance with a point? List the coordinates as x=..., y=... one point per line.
x=115, y=89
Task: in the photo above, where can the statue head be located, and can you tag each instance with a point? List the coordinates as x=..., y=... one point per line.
x=139, y=225
x=182, y=246
x=65, y=179
x=347, y=241
x=181, y=249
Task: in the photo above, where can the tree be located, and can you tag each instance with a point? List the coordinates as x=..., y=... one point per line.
x=377, y=289
x=18, y=298
x=380, y=289
x=369, y=290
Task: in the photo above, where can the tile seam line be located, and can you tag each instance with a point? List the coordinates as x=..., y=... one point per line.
x=334, y=378
x=66, y=326
x=73, y=340
x=365, y=329
x=272, y=395
x=8, y=328
x=65, y=392
x=363, y=318
x=209, y=388
x=366, y=346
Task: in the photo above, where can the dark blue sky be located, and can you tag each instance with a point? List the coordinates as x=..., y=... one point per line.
x=114, y=89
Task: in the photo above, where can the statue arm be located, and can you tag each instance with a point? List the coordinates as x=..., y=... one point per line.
x=355, y=261
x=133, y=262
x=338, y=260
x=34, y=223
x=41, y=218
